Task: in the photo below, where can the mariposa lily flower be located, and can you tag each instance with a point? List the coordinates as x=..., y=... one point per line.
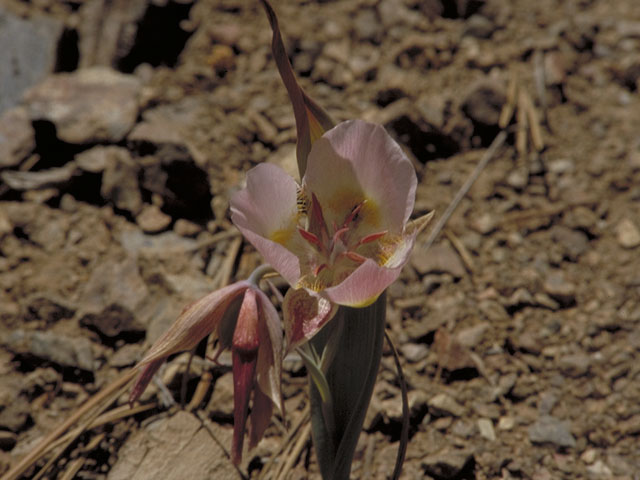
x=241, y=317
x=341, y=237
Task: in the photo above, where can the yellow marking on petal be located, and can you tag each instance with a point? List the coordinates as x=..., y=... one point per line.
x=315, y=129
x=282, y=236
x=365, y=303
x=342, y=202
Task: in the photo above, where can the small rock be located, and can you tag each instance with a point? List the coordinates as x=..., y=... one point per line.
x=599, y=470
x=438, y=259
x=627, y=234
x=367, y=26
x=114, y=321
x=574, y=242
x=484, y=224
x=485, y=426
x=472, y=336
x=479, y=26
x=185, y=228
x=15, y=416
x=17, y=137
x=484, y=102
x=152, y=219
x=589, y=456
x=548, y=429
x=125, y=356
x=75, y=352
x=506, y=423
x=88, y=106
x=443, y=405
x=120, y=180
x=47, y=309
x=447, y=464
x=575, y=365
x=52, y=177
x=414, y=352
x=559, y=288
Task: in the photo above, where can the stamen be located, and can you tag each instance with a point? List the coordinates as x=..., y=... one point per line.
x=319, y=268
x=310, y=237
x=339, y=233
x=371, y=238
x=354, y=213
x=356, y=257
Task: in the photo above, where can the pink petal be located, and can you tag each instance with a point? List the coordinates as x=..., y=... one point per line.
x=266, y=211
x=195, y=322
x=357, y=154
x=364, y=285
x=304, y=315
x=269, y=370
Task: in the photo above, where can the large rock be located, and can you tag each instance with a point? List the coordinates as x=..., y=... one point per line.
x=28, y=53
x=88, y=106
x=176, y=447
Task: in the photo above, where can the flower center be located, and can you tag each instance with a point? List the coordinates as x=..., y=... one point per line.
x=337, y=248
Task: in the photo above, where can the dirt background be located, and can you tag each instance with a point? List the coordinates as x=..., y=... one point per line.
x=519, y=329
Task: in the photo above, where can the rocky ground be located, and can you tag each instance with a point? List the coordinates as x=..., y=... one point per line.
x=125, y=127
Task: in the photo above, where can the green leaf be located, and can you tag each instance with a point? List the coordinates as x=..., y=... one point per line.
x=351, y=377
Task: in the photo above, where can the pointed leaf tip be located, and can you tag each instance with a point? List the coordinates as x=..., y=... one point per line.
x=311, y=120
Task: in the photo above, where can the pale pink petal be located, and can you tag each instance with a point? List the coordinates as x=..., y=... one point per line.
x=266, y=214
x=269, y=369
x=365, y=152
x=364, y=285
x=195, y=322
x=304, y=315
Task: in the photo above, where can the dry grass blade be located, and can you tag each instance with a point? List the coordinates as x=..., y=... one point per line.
x=510, y=104
x=461, y=249
x=521, y=120
x=534, y=123
x=89, y=406
x=488, y=155
x=284, y=445
x=303, y=439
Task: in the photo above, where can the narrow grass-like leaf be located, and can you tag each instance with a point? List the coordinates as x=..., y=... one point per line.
x=351, y=378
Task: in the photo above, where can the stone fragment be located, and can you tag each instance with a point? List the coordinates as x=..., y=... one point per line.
x=485, y=427
x=443, y=405
x=75, y=352
x=120, y=180
x=176, y=447
x=17, y=137
x=185, y=228
x=575, y=365
x=548, y=429
x=28, y=53
x=483, y=103
x=484, y=224
x=53, y=177
x=15, y=416
x=414, y=352
x=114, y=321
x=574, y=243
x=447, y=464
x=153, y=220
x=479, y=26
x=627, y=234
x=47, y=309
x=472, y=336
x=559, y=288
x=438, y=259
x=88, y=106
x=367, y=26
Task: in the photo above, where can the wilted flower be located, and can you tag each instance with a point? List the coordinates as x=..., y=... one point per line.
x=241, y=317
x=341, y=237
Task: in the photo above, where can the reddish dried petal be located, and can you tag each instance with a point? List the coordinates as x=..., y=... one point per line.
x=304, y=316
